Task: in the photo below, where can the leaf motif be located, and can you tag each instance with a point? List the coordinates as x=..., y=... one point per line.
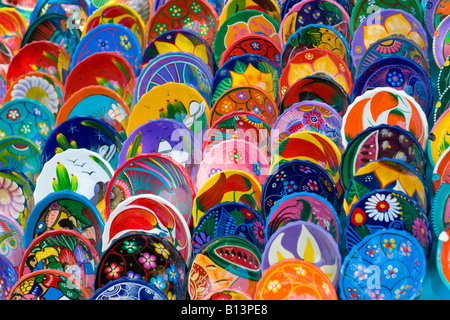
x=248, y=200
x=306, y=211
x=223, y=85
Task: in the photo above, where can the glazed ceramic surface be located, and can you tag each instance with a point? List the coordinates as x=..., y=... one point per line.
x=8, y=276
x=233, y=6
x=12, y=245
x=438, y=139
x=439, y=213
x=442, y=254
x=441, y=42
x=443, y=102
x=435, y=12
x=128, y=289
x=13, y=28
x=441, y=171
x=227, y=294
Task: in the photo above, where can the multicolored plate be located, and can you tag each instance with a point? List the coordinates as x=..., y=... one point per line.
x=12, y=246
x=439, y=213
x=128, y=289
x=441, y=170
x=233, y=6
x=13, y=28
x=8, y=274
x=442, y=256
x=435, y=12
x=441, y=43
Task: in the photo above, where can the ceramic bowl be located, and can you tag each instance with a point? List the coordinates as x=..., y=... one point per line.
x=12, y=245
x=8, y=275
x=128, y=289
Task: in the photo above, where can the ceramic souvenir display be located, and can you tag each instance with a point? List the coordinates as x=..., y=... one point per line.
x=441, y=170
x=243, y=23
x=245, y=98
x=54, y=27
x=318, y=88
x=387, y=265
x=43, y=56
x=315, y=36
x=315, y=60
x=384, y=23
x=8, y=276
x=386, y=174
x=84, y=133
x=241, y=124
x=233, y=6
x=79, y=170
x=21, y=155
x=398, y=73
x=118, y=13
x=234, y=154
x=327, y=12
x=16, y=196
x=79, y=9
x=294, y=279
x=439, y=213
x=147, y=257
x=12, y=245
x=167, y=137
x=106, y=68
x=387, y=209
x=48, y=284
x=151, y=173
x=307, y=115
x=226, y=186
x=13, y=27
x=171, y=100
x=441, y=43
x=385, y=105
x=98, y=102
x=64, y=250
x=382, y=141
x=295, y=176
x=396, y=45
x=247, y=70
x=109, y=37
x=229, y=218
x=145, y=212
x=227, y=294
x=225, y=262
x=180, y=40
x=304, y=206
x=39, y=86
x=253, y=43
x=435, y=12
x=438, y=142
x=128, y=289
x=197, y=16
x=178, y=67
x=306, y=241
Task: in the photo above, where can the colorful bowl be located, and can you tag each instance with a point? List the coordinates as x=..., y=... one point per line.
x=9, y=276
x=128, y=289
x=12, y=245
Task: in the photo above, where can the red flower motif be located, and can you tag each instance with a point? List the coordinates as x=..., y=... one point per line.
x=314, y=119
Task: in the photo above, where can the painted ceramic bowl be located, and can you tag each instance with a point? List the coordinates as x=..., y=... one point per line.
x=388, y=141
x=441, y=170
x=128, y=289
x=386, y=174
x=84, y=133
x=9, y=277
x=229, y=218
x=227, y=294
x=294, y=176
x=241, y=124
x=304, y=206
x=98, y=102
x=79, y=170
x=110, y=37
x=233, y=6
x=439, y=213
x=147, y=257
x=151, y=173
x=385, y=105
x=435, y=12
x=14, y=27
x=226, y=186
x=443, y=103
x=148, y=213
x=399, y=73
x=387, y=265
x=178, y=67
x=318, y=88
x=106, y=68
x=64, y=250
x=226, y=262
x=437, y=140
x=442, y=254
x=294, y=279
x=443, y=80
x=65, y=7
x=440, y=42
x=12, y=245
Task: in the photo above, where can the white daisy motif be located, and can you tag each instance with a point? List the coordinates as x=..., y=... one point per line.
x=382, y=207
x=12, y=200
x=36, y=88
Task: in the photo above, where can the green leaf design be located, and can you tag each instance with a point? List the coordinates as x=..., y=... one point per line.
x=362, y=231
x=357, y=189
x=306, y=211
x=240, y=67
x=248, y=200
x=223, y=85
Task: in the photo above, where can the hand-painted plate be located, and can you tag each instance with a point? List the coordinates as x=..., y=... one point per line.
x=226, y=186
x=106, y=68
x=317, y=88
x=443, y=103
x=233, y=6
x=315, y=36
x=9, y=275
x=307, y=115
x=240, y=24
x=305, y=206
x=155, y=174
x=178, y=67
x=227, y=294
x=443, y=79
x=399, y=73
x=385, y=105
x=381, y=141
x=439, y=213
x=225, y=262
x=12, y=245
x=442, y=257
x=393, y=260
x=441, y=170
x=244, y=71
x=147, y=257
x=229, y=218
x=311, y=61
x=435, y=12
x=109, y=37
x=77, y=9
x=441, y=43
x=438, y=139
x=283, y=281
x=295, y=176
x=306, y=241
x=84, y=133
x=244, y=98
x=14, y=26
x=65, y=210
x=128, y=289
